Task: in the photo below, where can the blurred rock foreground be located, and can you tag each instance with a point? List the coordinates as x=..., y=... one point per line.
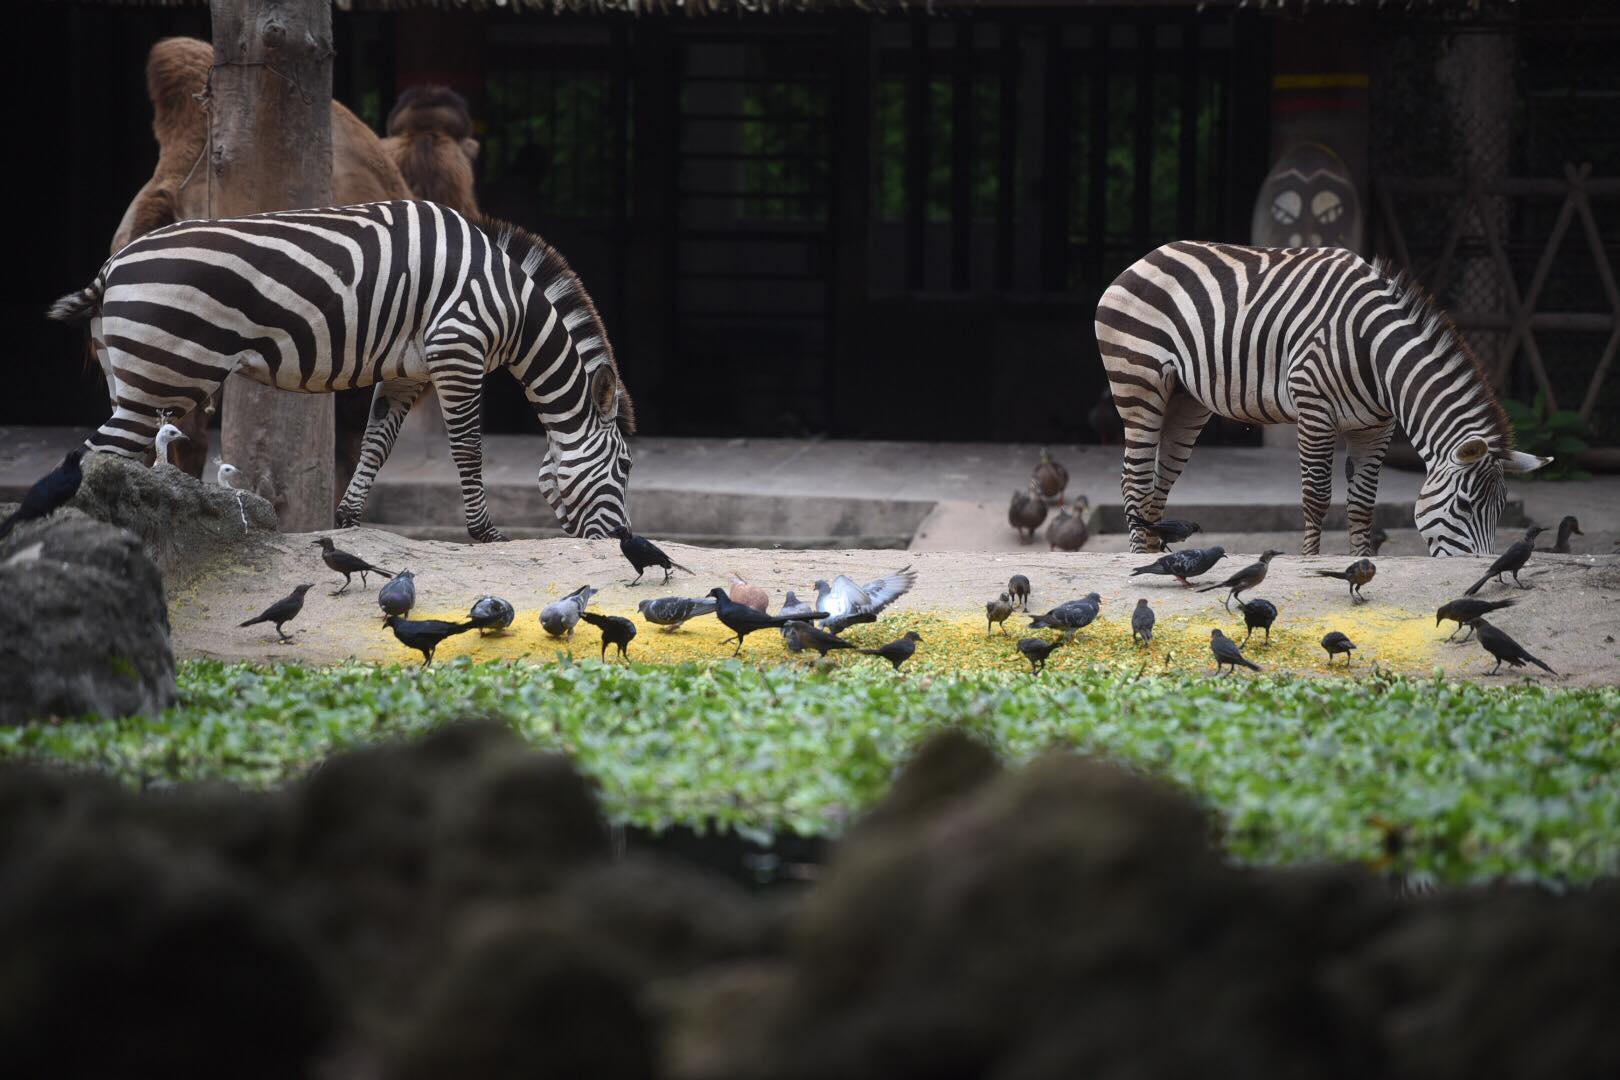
x=453, y=908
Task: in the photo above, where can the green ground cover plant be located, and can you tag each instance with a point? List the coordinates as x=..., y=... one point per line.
x=1443, y=782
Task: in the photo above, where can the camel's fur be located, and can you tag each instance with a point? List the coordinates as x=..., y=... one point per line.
x=430, y=140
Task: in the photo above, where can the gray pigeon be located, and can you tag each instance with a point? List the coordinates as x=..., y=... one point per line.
x=1069, y=617
x=492, y=614
x=560, y=618
x=792, y=605
x=671, y=612
x=1142, y=620
x=844, y=601
x=399, y=595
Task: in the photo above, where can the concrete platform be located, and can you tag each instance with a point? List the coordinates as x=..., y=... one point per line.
x=861, y=494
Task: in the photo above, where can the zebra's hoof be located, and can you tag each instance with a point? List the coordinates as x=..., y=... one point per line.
x=489, y=536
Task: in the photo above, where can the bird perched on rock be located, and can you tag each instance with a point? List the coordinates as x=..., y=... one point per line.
x=1245, y=579
x=1069, y=617
x=1167, y=530
x=1142, y=620
x=1338, y=644
x=283, y=611
x=1357, y=574
x=643, y=553
x=748, y=594
x=492, y=615
x=616, y=630
x=742, y=620
x=425, y=635
x=1377, y=538
x=561, y=616
x=1018, y=591
x=166, y=435
x=50, y=492
x=1566, y=528
x=1510, y=561
x=347, y=564
x=1067, y=532
x=1050, y=478
x=228, y=475
x=843, y=598
x=1227, y=653
x=897, y=651
x=399, y=595
x=1037, y=650
x=1464, y=610
x=1257, y=613
x=801, y=635
x=1026, y=512
x=996, y=611
x=672, y=612
x=1499, y=645
x=1184, y=564
x=1105, y=420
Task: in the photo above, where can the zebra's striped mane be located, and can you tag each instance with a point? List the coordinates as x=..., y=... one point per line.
x=1419, y=305
x=548, y=269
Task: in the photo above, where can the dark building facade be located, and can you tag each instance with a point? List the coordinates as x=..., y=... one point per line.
x=857, y=225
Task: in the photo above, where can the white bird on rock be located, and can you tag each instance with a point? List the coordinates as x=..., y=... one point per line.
x=845, y=602
x=228, y=474
x=167, y=434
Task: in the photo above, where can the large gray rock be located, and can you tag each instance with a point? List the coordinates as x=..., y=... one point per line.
x=86, y=627
x=184, y=524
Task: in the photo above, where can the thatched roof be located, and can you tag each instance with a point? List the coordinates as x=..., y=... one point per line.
x=694, y=8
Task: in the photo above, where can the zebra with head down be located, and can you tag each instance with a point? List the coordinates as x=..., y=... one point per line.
x=1312, y=336
x=400, y=295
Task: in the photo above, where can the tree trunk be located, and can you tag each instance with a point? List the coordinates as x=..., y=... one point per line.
x=270, y=135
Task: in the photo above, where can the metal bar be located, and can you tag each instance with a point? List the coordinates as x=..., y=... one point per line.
x=1503, y=186
x=1007, y=157
x=1055, y=166
x=1187, y=174
x=1097, y=265
x=1392, y=224
x=1142, y=171
x=962, y=158
x=917, y=87
x=1516, y=304
x=1553, y=321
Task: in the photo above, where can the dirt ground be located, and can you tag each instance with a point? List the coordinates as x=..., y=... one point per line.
x=1570, y=617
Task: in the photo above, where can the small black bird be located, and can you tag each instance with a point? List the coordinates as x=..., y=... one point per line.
x=996, y=611
x=643, y=553
x=1377, y=538
x=1499, y=645
x=1069, y=617
x=1167, y=530
x=1336, y=643
x=801, y=635
x=1142, y=620
x=492, y=614
x=282, y=611
x=1257, y=613
x=50, y=492
x=672, y=612
x=743, y=620
x=897, y=651
x=1245, y=579
x=1036, y=650
x=1566, y=528
x=346, y=564
x=424, y=635
x=399, y=595
x=1227, y=653
x=1462, y=611
x=1357, y=574
x=1018, y=591
x=615, y=631
x=1025, y=513
x=1510, y=561
x=1184, y=564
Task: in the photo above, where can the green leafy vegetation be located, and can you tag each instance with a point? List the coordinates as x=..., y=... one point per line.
x=1516, y=782
x=1538, y=428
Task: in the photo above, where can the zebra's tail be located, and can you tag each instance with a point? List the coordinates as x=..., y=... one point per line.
x=77, y=306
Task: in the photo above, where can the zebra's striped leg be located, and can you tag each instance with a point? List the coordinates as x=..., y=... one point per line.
x=1141, y=408
x=389, y=406
x=1184, y=418
x=462, y=405
x=1317, y=437
x=1367, y=449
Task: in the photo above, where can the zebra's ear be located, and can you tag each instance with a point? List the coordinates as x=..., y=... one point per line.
x=1471, y=450
x=605, y=392
x=1515, y=461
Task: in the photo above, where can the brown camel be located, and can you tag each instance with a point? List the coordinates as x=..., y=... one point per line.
x=430, y=139
x=176, y=72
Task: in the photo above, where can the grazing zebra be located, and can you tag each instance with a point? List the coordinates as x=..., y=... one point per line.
x=1317, y=337
x=396, y=294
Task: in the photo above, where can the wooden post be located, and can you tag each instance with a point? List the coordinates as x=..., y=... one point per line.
x=270, y=148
